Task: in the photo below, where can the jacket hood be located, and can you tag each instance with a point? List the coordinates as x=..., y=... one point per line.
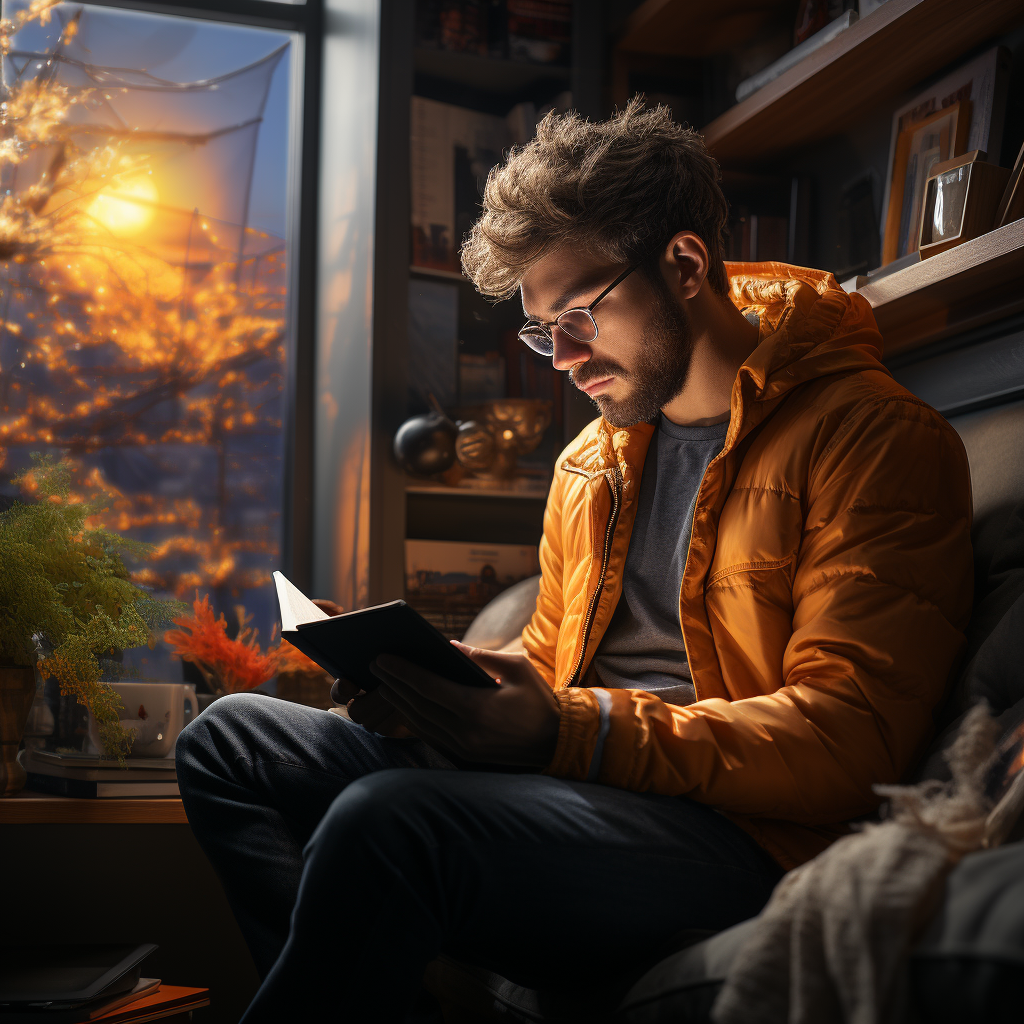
x=810, y=328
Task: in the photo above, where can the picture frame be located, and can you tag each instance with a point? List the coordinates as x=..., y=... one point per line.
x=985, y=82
x=960, y=200
x=924, y=143
x=1011, y=206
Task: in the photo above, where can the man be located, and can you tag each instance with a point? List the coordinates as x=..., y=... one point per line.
x=756, y=573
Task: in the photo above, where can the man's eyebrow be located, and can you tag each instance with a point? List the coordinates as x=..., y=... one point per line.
x=563, y=300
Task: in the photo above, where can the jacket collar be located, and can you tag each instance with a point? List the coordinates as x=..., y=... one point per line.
x=810, y=328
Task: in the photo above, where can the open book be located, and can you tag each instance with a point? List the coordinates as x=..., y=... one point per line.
x=347, y=645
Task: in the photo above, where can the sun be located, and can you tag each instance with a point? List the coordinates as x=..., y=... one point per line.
x=127, y=208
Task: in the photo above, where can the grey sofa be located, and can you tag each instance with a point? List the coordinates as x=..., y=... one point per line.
x=969, y=965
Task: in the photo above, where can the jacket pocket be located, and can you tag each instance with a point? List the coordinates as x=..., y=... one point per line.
x=746, y=567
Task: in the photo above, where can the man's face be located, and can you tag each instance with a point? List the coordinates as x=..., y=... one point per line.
x=641, y=357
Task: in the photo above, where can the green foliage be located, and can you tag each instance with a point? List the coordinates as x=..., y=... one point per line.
x=65, y=590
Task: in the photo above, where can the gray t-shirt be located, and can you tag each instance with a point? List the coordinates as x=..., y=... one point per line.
x=643, y=648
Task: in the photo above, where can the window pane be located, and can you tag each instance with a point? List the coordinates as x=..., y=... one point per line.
x=143, y=272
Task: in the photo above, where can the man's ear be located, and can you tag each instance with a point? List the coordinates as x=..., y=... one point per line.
x=685, y=264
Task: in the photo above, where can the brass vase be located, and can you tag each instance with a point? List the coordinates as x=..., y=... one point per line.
x=17, y=690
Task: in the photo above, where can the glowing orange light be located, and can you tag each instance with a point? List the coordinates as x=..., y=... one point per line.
x=127, y=208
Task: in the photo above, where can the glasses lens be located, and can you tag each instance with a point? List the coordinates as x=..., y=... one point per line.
x=538, y=338
x=578, y=324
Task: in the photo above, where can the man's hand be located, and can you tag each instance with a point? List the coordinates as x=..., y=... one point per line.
x=378, y=715
x=517, y=723
x=331, y=607
x=374, y=712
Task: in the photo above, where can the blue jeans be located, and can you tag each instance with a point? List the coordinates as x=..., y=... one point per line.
x=349, y=867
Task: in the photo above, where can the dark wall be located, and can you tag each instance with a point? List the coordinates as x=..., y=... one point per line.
x=129, y=883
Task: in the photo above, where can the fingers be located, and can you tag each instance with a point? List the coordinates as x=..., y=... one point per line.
x=415, y=705
x=430, y=733
x=343, y=691
x=328, y=606
x=495, y=663
x=424, y=688
x=370, y=709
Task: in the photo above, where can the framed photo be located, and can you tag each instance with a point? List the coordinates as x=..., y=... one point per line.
x=984, y=83
x=919, y=147
x=960, y=200
x=449, y=582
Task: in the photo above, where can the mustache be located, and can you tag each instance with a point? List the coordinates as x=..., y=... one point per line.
x=593, y=370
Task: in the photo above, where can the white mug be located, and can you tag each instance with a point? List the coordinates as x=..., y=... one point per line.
x=156, y=711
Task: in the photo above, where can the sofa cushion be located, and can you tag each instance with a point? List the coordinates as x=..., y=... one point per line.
x=969, y=966
x=994, y=439
x=995, y=648
x=505, y=617
x=682, y=987
x=476, y=994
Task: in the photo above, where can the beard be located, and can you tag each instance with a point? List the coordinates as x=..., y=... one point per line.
x=663, y=364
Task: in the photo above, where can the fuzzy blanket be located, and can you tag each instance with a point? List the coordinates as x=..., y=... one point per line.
x=833, y=942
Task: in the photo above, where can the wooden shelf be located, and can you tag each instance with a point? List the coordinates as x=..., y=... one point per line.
x=684, y=28
x=445, y=275
x=533, y=494
x=27, y=808
x=890, y=50
x=487, y=74
x=972, y=284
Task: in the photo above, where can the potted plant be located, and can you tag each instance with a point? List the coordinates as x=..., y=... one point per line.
x=235, y=664
x=66, y=599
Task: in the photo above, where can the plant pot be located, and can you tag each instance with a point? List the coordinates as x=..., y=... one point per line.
x=17, y=691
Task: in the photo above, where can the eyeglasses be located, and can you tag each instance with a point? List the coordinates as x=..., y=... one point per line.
x=578, y=323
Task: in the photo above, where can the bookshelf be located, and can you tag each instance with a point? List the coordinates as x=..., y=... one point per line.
x=892, y=49
x=889, y=50
x=442, y=275
x=489, y=512
x=827, y=118
x=681, y=28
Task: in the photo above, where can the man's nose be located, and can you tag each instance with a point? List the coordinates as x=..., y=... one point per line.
x=568, y=352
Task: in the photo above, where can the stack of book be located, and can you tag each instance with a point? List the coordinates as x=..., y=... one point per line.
x=75, y=984
x=80, y=775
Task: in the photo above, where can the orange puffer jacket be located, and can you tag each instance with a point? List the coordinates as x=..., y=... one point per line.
x=826, y=590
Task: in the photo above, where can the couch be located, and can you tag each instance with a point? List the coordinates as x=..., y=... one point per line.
x=969, y=963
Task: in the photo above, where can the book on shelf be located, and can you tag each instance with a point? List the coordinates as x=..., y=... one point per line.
x=90, y=1010
x=536, y=31
x=540, y=31
x=793, y=57
x=433, y=342
x=757, y=237
x=449, y=582
x=73, y=759
x=452, y=149
x=37, y=763
x=166, y=1001
x=56, y=785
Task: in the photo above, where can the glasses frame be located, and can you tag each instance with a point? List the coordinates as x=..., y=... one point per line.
x=546, y=325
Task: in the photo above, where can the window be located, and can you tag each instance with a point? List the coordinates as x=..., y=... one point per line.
x=145, y=285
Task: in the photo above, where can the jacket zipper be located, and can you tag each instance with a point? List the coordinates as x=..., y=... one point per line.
x=614, y=484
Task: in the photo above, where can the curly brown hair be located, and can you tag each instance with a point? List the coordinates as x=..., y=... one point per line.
x=617, y=188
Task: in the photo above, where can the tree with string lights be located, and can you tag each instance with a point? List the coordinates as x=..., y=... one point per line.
x=112, y=338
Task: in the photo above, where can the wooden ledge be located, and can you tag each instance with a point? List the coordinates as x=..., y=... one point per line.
x=27, y=808
x=962, y=288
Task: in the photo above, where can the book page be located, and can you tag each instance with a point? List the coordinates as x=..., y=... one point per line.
x=295, y=606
